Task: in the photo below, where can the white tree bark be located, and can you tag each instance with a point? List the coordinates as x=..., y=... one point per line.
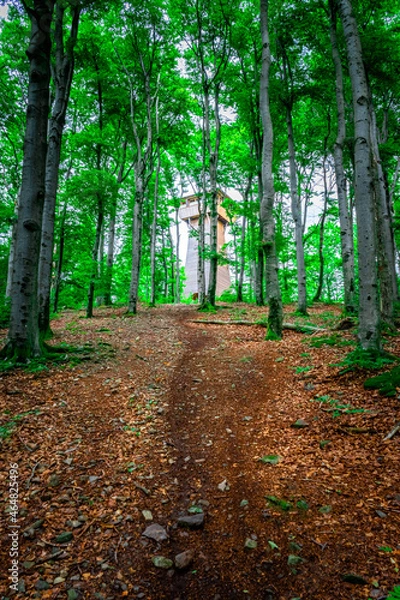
x=346, y=233
x=275, y=315
x=369, y=315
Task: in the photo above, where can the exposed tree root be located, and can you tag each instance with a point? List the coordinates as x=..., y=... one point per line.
x=292, y=326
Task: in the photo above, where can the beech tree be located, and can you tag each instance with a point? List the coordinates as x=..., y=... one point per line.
x=23, y=338
x=275, y=316
x=369, y=314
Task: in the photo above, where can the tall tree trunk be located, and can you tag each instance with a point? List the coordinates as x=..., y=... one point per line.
x=23, y=336
x=213, y=156
x=95, y=254
x=63, y=73
x=297, y=218
x=386, y=256
x=275, y=315
x=346, y=230
x=100, y=201
x=111, y=231
x=177, y=296
x=318, y=293
x=137, y=231
x=243, y=239
x=369, y=335
x=153, y=235
x=61, y=244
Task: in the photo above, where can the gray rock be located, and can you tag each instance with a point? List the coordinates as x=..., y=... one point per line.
x=72, y=594
x=192, y=522
x=161, y=562
x=155, y=532
x=184, y=559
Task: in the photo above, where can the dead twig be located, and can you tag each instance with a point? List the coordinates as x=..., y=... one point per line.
x=58, y=554
x=393, y=432
x=28, y=481
x=142, y=488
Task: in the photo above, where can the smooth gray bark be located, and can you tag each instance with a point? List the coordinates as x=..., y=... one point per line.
x=346, y=231
x=23, y=336
x=386, y=256
x=369, y=334
x=297, y=218
x=62, y=77
x=275, y=315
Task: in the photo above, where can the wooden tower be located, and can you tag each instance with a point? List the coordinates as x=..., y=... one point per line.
x=189, y=212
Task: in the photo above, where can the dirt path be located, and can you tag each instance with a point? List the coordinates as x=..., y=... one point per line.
x=172, y=417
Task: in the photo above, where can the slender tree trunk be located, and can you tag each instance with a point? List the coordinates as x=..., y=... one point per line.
x=61, y=244
x=100, y=202
x=111, y=231
x=63, y=73
x=297, y=218
x=23, y=336
x=318, y=293
x=153, y=235
x=213, y=154
x=346, y=230
x=243, y=239
x=177, y=296
x=369, y=318
x=386, y=257
x=202, y=201
x=137, y=230
x=95, y=254
x=275, y=316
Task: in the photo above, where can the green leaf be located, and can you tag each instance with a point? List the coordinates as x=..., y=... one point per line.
x=270, y=459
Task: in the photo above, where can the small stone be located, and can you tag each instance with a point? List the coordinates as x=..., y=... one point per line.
x=58, y=580
x=162, y=563
x=244, y=503
x=193, y=522
x=250, y=544
x=155, y=532
x=381, y=514
x=184, y=559
x=223, y=486
x=21, y=586
x=147, y=515
x=76, y=524
x=299, y=424
x=28, y=564
x=72, y=594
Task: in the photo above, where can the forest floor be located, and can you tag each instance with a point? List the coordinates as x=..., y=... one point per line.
x=166, y=418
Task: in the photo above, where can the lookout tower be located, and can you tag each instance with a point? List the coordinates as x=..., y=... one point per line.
x=189, y=212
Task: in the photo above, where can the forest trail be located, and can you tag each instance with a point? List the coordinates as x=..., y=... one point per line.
x=172, y=417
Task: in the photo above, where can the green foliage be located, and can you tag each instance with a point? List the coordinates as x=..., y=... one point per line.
x=386, y=383
x=7, y=428
x=394, y=594
x=284, y=505
x=335, y=339
x=367, y=359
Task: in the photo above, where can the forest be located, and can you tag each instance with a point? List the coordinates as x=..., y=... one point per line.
x=199, y=300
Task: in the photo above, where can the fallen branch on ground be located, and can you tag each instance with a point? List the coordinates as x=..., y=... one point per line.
x=392, y=433
x=292, y=326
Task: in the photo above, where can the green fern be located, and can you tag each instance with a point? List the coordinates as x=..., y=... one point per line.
x=394, y=594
